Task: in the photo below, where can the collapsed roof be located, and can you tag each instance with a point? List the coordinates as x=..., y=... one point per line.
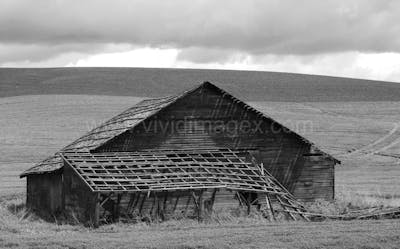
x=170, y=170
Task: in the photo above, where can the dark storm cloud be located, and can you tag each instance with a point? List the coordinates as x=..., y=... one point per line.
x=254, y=27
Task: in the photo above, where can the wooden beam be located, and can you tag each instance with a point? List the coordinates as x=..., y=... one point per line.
x=164, y=207
x=131, y=203
x=240, y=199
x=156, y=208
x=270, y=208
x=106, y=199
x=197, y=200
x=248, y=203
x=96, y=214
x=285, y=208
x=187, y=204
x=176, y=204
x=137, y=199
x=200, y=207
x=214, y=193
x=141, y=204
x=116, y=207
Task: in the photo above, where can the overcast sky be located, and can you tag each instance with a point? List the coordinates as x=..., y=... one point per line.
x=351, y=38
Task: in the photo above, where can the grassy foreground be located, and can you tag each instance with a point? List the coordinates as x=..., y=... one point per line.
x=19, y=229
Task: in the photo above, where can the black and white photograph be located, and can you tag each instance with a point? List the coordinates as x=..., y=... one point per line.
x=176, y=124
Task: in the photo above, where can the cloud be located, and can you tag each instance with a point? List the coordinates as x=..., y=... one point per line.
x=254, y=26
x=353, y=38
x=44, y=54
x=40, y=52
x=140, y=57
x=206, y=55
x=377, y=66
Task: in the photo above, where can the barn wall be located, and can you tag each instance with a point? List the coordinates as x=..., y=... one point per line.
x=316, y=180
x=206, y=119
x=173, y=203
x=80, y=202
x=44, y=194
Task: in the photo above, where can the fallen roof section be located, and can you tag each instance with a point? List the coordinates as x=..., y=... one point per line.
x=170, y=170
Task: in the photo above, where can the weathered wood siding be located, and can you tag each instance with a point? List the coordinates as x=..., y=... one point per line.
x=80, y=202
x=207, y=119
x=44, y=194
x=316, y=180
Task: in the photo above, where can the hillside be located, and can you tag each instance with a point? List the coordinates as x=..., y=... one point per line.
x=140, y=82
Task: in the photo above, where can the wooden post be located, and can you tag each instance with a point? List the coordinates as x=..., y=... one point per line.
x=142, y=203
x=96, y=215
x=130, y=204
x=240, y=199
x=248, y=203
x=262, y=169
x=155, y=208
x=213, y=199
x=200, y=208
x=270, y=208
x=187, y=203
x=165, y=206
x=197, y=204
x=116, y=208
x=176, y=204
x=137, y=199
x=153, y=204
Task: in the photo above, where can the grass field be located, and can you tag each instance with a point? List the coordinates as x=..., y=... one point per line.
x=364, y=135
x=239, y=233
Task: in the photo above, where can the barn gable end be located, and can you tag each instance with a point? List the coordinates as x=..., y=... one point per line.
x=207, y=118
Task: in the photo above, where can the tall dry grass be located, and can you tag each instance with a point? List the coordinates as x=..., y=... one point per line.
x=16, y=217
x=347, y=201
x=19, y=228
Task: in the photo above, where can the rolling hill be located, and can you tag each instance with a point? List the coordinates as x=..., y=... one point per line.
x=141, y=82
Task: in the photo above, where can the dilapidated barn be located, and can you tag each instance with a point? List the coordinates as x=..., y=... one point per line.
x=186, y=155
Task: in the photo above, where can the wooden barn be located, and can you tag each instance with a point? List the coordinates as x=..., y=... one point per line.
x=186, y=155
